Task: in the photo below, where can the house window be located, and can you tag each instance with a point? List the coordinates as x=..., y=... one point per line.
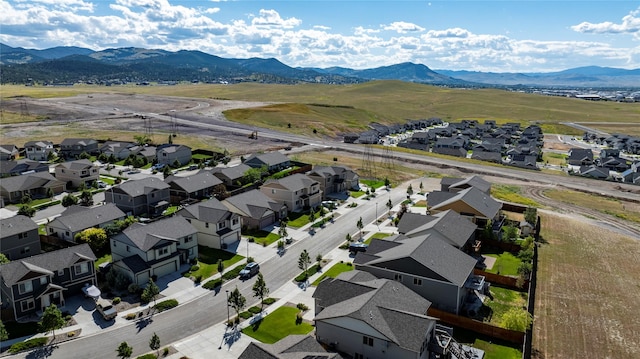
x=81, y=268
x=50, y=230
x=234, y=221
x=128, y=249
x=397, y=277
x=25, y=287
x=43, y=280
x=22, y=235
x=206, y=224
x=188, y=239
x=115, y=244
x=417, y=281
x=66, y=233
x=367, y=340
x=163, y=251
x=27, y=304
x=273, y=191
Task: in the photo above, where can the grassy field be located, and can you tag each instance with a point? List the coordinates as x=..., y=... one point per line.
x=511, y=193
x=587, y=279
x=629, y=211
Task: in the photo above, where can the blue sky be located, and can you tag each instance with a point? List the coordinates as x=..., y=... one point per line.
x=497, y=36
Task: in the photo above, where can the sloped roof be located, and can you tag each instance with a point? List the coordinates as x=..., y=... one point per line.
x=387, y=306
x=289, y=347
x=146, y=236
x=42, y=144
x=451, y=225
x=76, y=218
x=77, y=141
x=16, y=224
x=46, y=263
x=269, y=158
x=474, y=198
x=196, y=182
x=211, y=210
x=76, y=165
x=411, y=221
x=29, y=181
x=327, y=171
x=232, y=172
x=172, y=148
x=253, y=204
x=292, y=183
x=473, y=181
x=142, y=186
x=22, y=165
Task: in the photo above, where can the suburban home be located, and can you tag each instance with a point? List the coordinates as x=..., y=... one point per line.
x=448, y=225
x=256, y=209
x=455, y=184
x=8, y=152
x=147, y=152
x=153, y=250
x=524, y=161
x=274, y=161
x=367, y=317
x=594, y=172
x=36, y=185
x=470, y=202
x=234, y=176
x=195, y=187
x=148, y=196
x=76, y=219
x=168, y=154
x=73, y=147
x=427, y=265
x=31, y=284
x=480, y=155
x=19, y=237
x=450, y=146
x=21, y=166
x=217, y=226
x=614, y=163
x=38, y=150
x=119, y=150
x=298, y=192
x=77, y=173
x=290, y=347
x=334, y=179
x=580, y=157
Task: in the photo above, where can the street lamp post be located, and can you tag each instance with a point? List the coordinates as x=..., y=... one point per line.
x=228, y=319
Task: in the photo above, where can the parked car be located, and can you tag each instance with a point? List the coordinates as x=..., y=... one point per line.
x=106, y=309
x=250, y=270
x=158, y=166
x=358, y=247
x=101, y=184
x=192, y=167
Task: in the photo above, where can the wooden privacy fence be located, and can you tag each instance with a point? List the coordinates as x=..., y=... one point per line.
x=511, y=336
x=502, y=280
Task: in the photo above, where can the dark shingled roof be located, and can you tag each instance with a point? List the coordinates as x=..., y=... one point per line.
x=233, y=172
x=142, y=186
x=411, y=221
x=211, y=210
x=196, y=182
x=290, y=347
x=252, y=204
x=473, y=197
x=294, y=182
x=453, y=227
x=146, y=236
x=76, y=218
x=16, y=224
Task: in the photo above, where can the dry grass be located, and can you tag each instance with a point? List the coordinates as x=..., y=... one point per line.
x=627, y=128
x=587, y=292
x=628, y=211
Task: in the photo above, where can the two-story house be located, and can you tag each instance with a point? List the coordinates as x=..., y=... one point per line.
x=119, y=150
x=427, y=265
x=234, y=176
x=274, y=161
x=8, y=152
x=256, y=209
x=77, y=173
x=19, y=237
x=148, y=196
x=471, y=202
x=195, y=187
x=455, y=184
x=367, y=317
x=31, y=284
x=168, y=154
x=38, y=150
x=36, y=185
x=217, y=226
x=298, y=192
x=76, y=219
x=71, y=148
x=153, y=250
x=448, y=225
x=290, y=347
x=334, y=179
x=21, y=166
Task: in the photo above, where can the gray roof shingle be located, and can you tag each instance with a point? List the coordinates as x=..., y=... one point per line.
x=211, y=211
x=146, y=236
x=142, y=186
x=16, y=224
x=473, y=197
x=77, y=218
x=199, y=181
x=253, y=204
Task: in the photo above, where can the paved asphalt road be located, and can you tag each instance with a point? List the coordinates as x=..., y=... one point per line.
x=193, y=317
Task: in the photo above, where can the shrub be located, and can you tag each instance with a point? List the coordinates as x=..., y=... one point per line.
x=68, y=317
x=349, y=264
x=212, y=284
x=197, y=279
x=166, y=305
x=231, y=274
x=195, y=268
x=147, y=356
x=133, y=288
x=268, y=301
x=29, y=344
x=299, y=318
x=254, y=310
x=245, y=315
x=303, y=307
x=165, y=352
x=116, y=300
x=130, y=316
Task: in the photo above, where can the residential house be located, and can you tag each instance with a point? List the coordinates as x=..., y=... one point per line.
x=147, y=152
x=290, y=347
x=614, y=163
x=73, y=147
x=524, y=161
x=36, y=185
x=428, y=265
x=195, y=187
x=256, y=209
x=19, y=237
x=217, y=226
x=38, y=150
x=76, y=219
x=21, y=166
x=119, y=150
x=470, y=202
x=234, y=176
x=298, y=192
x=450, y=146
x=77, y=173
x=8, y=152
x=594, y=172
x=494, y=157
x=448, y=225
x=580, y=157
x=365, y=317
x=29, y=285
x=148, y=196
x=274, y=161
x=153, y=250
x=455, y=184
x=168, y=154
x=334, y=179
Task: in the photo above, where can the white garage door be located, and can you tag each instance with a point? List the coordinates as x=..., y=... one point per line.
x=166, y=269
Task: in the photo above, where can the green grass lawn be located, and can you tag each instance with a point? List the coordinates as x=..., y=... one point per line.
x=208, y=261
x=104, y=259
x=356, y=194
x=375, y=184
x=107, y=179
x=333, y=272
x=493, y=349
x=262, y=237
x=277, y=325
x=506, y=264
x=378, y=235
x=169, y=211
x=298, y=219
x=503, y=300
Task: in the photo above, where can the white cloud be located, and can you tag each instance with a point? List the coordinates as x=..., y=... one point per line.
x=453, y=32
x=402, y=27
x=272, y=18
x=75, y=5
x=629, y=24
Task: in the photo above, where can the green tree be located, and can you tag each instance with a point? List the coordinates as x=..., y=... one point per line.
x=170, y=140
x=525, y=269
x=237, y=301
x=360, y=225
x=25, y=199
x=95, y=237
x=69, y=200
x=154, y=343
x=124, y=350
x=86, y=198
x=312, y=214
x=142, y=140
x=387, y=183
x=252, y=175
x=176, y=164
x=389, y=205
x=51, y=157
x=220, y=266
x=50, y=192
x=303, y=262
x=517, y=319
x=319, y=258
x=84, y=156
x=260, y=289
x=4, y=335
x=421, y=187
x=531, y=215
x=26, y=210
x=150, y=292
x=51, y=320
x=509, y=233
x=282, y=231
x=348, y=238
x=3, y=259
x=166, y=171
x=409, y=190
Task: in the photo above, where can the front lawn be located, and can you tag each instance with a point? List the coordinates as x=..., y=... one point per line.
x=298, y=219
x=170, y=210
x=208, y=261
x=356, y=194
x=310, y=271
x=277, y=325
x=375, y=184
x=333, y=272
x=262, y=237
x=506, y=264
x=378, y=235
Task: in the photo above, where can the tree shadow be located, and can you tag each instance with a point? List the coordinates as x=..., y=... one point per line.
x=256, y=325
x=42, y=352
x=144, y=322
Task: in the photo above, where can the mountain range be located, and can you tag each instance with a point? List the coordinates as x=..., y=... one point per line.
x=68, y=64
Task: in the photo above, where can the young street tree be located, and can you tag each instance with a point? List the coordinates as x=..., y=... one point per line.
x=150, y=292
x=124, y=350
x=86, y=198
x=220, y=266
x=389, y=205
x=237, y=301
x=260, y=289
x=154, y=343
x=69, y=200
x=303, y=262
x=51, y=320
x=26, y=210
x=282, y=231
x=360, y=225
